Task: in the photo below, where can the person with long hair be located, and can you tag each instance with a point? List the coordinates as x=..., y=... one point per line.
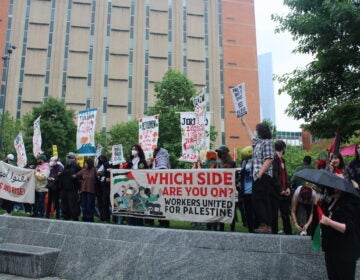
x=263, y=156
x=138, y=161
x=340, y=233
x=88, y=177
x=337, y=164
x=137, y=157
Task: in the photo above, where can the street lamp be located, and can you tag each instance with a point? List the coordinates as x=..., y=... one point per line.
x=6, y=59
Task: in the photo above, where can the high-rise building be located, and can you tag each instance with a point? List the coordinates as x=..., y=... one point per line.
x=266, y=87
x=109, y=54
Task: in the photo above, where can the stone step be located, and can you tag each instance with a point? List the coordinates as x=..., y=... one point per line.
x=26, y=260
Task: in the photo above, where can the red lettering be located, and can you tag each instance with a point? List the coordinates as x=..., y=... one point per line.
x=228, y=178
x=201, y=178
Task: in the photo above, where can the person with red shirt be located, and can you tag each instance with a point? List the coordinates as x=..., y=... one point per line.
x=280, y=197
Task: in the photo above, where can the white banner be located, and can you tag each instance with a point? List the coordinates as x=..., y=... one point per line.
x=148, y=134
x=20, y=150
x=37, y=140
x=196, y=195
x=117, y=155
x=195, y=136
x=239, y=99
x=85, y=136
x=16, y=183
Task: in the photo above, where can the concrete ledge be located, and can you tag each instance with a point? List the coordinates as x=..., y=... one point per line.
x=28, y=261
x=103, y=251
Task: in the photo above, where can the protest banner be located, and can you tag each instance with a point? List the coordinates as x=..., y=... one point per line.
x=148, y=134
x=85, y=136
x=20, y=150
x=37, y=140
x=196, y=195
x=17, y=184
x=195, y=136
x=117, y=155
x=239, y=99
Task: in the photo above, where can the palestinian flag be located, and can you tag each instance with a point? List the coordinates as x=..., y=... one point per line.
x=123, y=177
x=316, y=242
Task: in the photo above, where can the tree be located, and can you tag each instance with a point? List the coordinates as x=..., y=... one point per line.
x=57, y=127
x=326, y=93
x=12, y=128
x=174, y=94
x=126, y=134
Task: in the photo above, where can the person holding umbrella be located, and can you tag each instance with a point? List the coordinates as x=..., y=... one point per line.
x=340, y=222
x=341, y=235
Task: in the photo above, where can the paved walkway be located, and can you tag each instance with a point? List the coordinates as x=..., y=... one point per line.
x=15, y=277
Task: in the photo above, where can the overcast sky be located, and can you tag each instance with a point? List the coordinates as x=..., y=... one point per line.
x=284, y=61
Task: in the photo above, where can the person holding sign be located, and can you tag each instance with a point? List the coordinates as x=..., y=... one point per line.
x=263, y=156
x=138, y=161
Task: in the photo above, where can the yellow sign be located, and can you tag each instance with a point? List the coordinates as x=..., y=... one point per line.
x=80, y=160
x=55, y=151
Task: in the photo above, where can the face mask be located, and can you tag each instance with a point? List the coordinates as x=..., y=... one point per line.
x=134, y=153
x=247, y=167
x=256, y=134
x=52, y=163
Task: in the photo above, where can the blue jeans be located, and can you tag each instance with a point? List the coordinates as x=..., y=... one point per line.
x=39, y=206
x=87, y=206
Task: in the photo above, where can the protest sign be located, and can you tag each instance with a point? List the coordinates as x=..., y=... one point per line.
x=148, y=134
x=85, y=136
x=37, y=140
x=20, y=150
x=195, y=130
x=195, y=136
x=16, y=183
x=196, y=195
x=117, y=155
x=239, y=99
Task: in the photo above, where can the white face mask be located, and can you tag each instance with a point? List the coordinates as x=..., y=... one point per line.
x=134, y=153
x=52, y=163
x=256, y=134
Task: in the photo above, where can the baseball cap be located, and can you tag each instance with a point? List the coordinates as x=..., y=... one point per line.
x=222, y=149
x=43, y=157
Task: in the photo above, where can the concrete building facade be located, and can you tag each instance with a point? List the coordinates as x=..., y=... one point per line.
x=109, y=54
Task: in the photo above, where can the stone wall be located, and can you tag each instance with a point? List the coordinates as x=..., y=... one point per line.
x=102, y=251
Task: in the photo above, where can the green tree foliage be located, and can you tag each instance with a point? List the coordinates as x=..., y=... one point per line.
x=11, y=129
x=57, y=128
x=294, y=157
x=174, y=94
x=326, y=93
x=126, y=134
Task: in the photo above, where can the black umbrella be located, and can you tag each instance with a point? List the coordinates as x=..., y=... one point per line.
x=327, y=179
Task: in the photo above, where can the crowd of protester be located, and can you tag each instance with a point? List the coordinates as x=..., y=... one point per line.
x=67, y=191
x=265, y=191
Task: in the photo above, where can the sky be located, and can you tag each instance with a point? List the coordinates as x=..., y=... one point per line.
x=281, y=46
